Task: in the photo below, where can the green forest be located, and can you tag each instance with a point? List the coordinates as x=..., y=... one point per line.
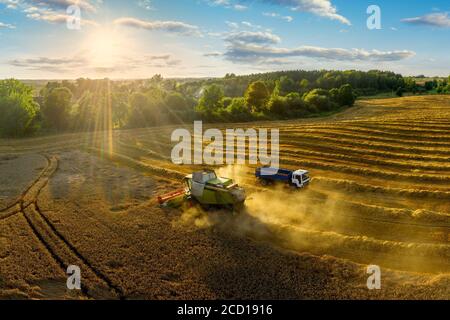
x=87, y=105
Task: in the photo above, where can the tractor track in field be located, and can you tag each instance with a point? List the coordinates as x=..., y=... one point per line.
x=31, y=193
x=17, y=201
x=59, y=248
x=60, y=243
x=43, y=178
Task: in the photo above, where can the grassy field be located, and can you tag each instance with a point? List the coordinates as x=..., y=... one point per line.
x=380, y=195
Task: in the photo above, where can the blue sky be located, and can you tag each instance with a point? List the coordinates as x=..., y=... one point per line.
x=202, y=38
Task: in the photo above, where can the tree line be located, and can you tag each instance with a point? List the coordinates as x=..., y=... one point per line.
x=89, y=105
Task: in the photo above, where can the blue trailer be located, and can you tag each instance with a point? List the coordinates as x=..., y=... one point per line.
x=298, y=178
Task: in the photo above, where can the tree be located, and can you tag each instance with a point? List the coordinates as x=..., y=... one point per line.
x=176, y=102
x=277, y=105
x=399, y=92
x=83, y=113
x=226, y=102
x=238, y=110
x=142, y=111
x=176, y=106
x=156, y=80
x=56, y=108
x=334, y=95
x=287, y=85
x=304, y=85
x=120, y=109
x=257, y=95
x=429, y=85
x=296, y=106
x=210, y=100
x=17, y=108
x=410, y=85
x=319, y=99
x=346, y=96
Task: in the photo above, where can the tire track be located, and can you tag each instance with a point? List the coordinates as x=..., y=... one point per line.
x=22, y=195
x=59, y=248
x=72, y=251
x=30, y=194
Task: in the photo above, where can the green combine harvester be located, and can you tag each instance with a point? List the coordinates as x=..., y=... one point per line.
x=209, y=191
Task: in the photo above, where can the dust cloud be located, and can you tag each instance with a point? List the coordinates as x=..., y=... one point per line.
x=317, y=222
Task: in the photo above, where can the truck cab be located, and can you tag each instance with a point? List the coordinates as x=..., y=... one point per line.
x=300, y=178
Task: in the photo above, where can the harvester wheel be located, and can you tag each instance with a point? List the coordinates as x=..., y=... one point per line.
x=238, y=209
x=206, y=207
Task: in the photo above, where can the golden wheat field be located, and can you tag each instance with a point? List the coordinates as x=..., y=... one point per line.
x=380, y=195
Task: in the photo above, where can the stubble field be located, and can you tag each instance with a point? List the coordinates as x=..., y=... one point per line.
x=380, y=195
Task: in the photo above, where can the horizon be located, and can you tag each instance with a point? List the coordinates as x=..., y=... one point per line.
x=425, y=76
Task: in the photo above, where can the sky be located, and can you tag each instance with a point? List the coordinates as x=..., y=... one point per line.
x=117, y=39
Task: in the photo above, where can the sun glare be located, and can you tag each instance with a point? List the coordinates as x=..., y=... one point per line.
x=105, y=47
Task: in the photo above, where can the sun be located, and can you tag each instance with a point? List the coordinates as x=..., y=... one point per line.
x=105, y=47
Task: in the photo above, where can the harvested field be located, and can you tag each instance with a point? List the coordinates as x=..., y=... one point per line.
x=380, y=195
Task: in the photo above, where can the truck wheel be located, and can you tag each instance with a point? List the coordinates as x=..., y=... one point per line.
x=263, y=182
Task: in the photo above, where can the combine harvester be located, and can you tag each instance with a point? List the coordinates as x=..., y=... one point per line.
x=205, y=188
x=298, y=179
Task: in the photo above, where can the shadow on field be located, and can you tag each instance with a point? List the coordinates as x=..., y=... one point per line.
x=254, y=269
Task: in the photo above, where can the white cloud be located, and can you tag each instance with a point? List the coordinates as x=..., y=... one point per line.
x=146, y=4
x=53, y=65
x=440, y=20
x=322, y=8
x=6, y=26
x=240, y=7
x=213, y=54
x=241, y=52
x=162, y=57
x=50, y=16
x=244, y=24
x=232, y=25
x=81, y=63
x=169, y=26
x=279, y=16
x=256, y=37
x=53, y=11
x=227, y=4
x=87, y=5
x=10, y=4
